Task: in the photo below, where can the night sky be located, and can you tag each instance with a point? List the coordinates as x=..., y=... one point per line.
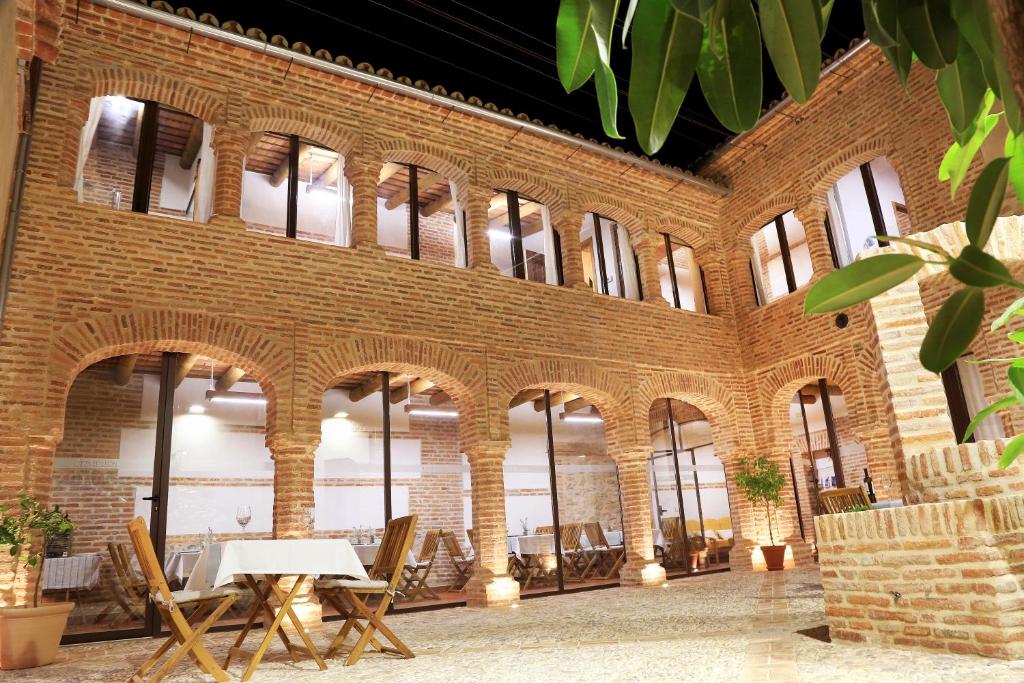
x=501, y=52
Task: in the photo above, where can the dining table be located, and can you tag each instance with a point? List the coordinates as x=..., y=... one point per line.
x=181, y=564
x=260, y=565
x=367, y=553
x=531, y=550
x=72, y=573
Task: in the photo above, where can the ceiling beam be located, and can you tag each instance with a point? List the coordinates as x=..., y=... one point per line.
x=282, y=171
x=575, y=404
x=402, y=196
x=192, y=144
x=440, y=398
x=387, y=170
x=138, y=132
x=370, y=386
x=403, y=391
x=330, y=175
x=124, y=368
x=185, y=363
x=440, y=204
x=228, y=378
x=557, y=398
x=525, y=396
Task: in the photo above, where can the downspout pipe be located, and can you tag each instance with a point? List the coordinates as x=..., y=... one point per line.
x=18, y=188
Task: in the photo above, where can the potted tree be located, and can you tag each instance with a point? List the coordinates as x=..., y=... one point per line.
x=30, y=636
x=762, y=481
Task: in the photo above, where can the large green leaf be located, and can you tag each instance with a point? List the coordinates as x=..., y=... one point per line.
x=575, y=48
x=666, y=45
x=729, y=67
x=1015, y=377
x=932, y=32
x=953, y=328
x=985, y=201
x=602, y=23
x=1013, y=449
x=961, y=87
x=1012, y=310
x=881, y=21
x=976, y=268
x=1014, y=150
x=790, y=31
x=1001, y=404
x=628, y=21
x=860, y=281
x=958, y=158
x=975, y=24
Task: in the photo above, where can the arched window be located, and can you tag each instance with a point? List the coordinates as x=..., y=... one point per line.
x=146, y=157
x=781, y=261
x=419, y=217
x=866, y=203
x=296, y=188
x=682, y=280
x=523, y=243
x=609, y=263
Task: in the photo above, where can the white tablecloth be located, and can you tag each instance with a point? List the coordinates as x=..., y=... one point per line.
x=659, y=538
x=367, y=553
x=537, y=544
x=221, y=563
x=181, y=564
x=78, y=572
x=614, y=538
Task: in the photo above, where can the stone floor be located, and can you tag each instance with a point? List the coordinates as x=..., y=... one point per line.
x=725, y=627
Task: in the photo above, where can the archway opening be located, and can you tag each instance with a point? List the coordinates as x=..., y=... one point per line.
x=390, y=447
x=689, y=499
x=562, y=501
x=419, y=216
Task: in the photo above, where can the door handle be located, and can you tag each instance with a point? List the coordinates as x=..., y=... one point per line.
x=151, y=498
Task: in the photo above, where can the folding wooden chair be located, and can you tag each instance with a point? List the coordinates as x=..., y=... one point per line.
x=348, y=596
x=130, y=591
x=171, y=606
x=608, y=557
x=415, y=576
x=463, y=564
x=836, y=501
x=575, y=564
x=675, y=550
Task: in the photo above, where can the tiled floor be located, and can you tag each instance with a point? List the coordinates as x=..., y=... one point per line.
x=724, y=627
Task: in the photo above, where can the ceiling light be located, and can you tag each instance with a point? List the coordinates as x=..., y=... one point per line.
x=196, y=409
x=592, y=419
x=500, y=234
x=235, y=397
x=341, y=415
x=431, y=412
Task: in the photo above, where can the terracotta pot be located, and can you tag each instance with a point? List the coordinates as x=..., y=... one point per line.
x=30, y=636
x=774, y=557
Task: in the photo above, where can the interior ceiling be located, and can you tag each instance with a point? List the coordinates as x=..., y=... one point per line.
x=120, y=118
x=149, y=364
x=503, y=53
x=357, y=379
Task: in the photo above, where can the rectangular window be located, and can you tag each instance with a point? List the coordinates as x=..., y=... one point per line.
x=609, y=263
x=418, y=217
x=863, y=205
x=523, y=243
x=682, y=282
x=781, y=258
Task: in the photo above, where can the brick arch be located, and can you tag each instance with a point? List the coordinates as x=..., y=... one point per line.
x=146, y=84
x=427, y=155
x=304, y=123
x=686, y=230
x=80, y=344
x=828, y=173
x=607, y=392
x=756, y=219
x=631, y=218
x=701, y=391
x=529, y=185
x=457, y=373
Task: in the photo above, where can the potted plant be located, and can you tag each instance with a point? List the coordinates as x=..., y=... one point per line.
x=762, y=481
x=30, y=636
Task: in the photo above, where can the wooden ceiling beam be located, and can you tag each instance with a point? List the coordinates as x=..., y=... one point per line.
x=440, y=204
x=557, y=398
x=440, y=398
x=184, y=366
x=370, y=386
x=329, y=177
x=402, y=196
x=124, y=368
x=282, y=171
x=387, y=170
x=228, y=378
x=192, y=144
x=575, y=404
x=138, y=132
x=526, y=396
x=417, y=386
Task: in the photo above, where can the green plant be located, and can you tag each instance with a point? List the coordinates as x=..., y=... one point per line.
x=973, y=46
x=761, y=481
x=858, y=508
x=31, y=518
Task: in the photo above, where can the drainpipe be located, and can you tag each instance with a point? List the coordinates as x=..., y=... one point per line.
x=18, y=187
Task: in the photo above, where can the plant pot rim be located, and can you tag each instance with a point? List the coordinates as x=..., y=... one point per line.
x=784, y=545
x=28, y=611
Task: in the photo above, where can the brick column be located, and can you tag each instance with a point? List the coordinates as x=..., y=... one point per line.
x=646, y=254
x=490, y=585
x=478, y=247
x=641, y=569
x=915, y=401
x=293, y=456
x=568, y=228
x=813, y=220
x=363, y=174
x=229, y=145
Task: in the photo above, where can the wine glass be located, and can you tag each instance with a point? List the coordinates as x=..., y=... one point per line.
x=243, y=515
x=309, y=519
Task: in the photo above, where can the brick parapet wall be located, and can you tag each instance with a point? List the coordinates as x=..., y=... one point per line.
x=963, y=471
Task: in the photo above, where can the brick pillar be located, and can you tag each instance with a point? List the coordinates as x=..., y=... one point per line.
x=293, y=456
x=568, y=228
x=478, y=247
x=813, y=220
x=646, y=255
x=915, y=401
x=363, y=175
x=230, y=146
x=490, y=585
x=641, y=569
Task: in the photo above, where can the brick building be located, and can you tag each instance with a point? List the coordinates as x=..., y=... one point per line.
x=225, y=233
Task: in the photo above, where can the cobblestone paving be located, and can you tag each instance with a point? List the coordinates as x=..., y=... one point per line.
x=726, y=627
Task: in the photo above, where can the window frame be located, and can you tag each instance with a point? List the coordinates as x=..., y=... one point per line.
x=874, y=208
x=413, y=225
x=515, y=228
x=784, y=253
x=676, y=302
x=600, y=261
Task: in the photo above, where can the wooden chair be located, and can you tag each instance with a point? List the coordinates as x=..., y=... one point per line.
x=130, y=591
x=172, y=606
x=463, y=564
x=675, y=551
x=348, y=596
x=547, y=529
x=415, y=576
x=575, y=563
x=835, y=501
x=609, y=558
